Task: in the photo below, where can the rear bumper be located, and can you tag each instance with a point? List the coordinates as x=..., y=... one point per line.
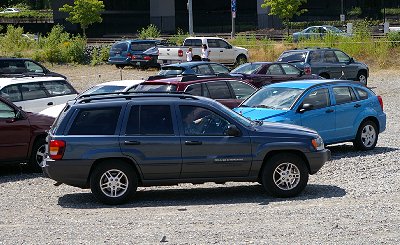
x=317, y=159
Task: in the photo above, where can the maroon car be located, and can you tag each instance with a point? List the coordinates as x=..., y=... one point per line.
x=22, y=135
x=224, y=89
x=264, y=73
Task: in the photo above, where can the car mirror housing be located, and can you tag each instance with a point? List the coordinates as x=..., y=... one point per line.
x=305, y=107
x=351, y=60
x=232, y=130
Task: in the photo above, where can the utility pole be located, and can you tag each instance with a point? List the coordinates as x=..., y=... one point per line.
x=189, y=6
x=233, y=11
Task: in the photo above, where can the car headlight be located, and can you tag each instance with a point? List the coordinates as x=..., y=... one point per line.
x=318, y=143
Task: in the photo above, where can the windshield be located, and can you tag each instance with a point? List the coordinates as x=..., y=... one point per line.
x=293, y=56
x=248, y=68
x=165, y=71
x=155, y=88
x=333, y=29
x=104, y=89
x=274, y=98
x=141, y=46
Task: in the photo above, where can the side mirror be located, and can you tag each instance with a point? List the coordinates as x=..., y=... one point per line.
x=229, y=47
x=305, y=107
x=232, y=130
x=351, y=60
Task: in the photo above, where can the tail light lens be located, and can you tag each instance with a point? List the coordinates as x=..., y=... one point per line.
x=380, y=101
x=307, y=70
x=147, y=58
x=180, y=52
x=129, y=55
x=56, y=149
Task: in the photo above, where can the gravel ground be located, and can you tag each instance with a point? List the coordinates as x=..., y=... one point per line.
x=353, y=199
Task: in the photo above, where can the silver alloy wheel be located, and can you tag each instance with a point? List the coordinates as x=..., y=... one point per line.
x=368, y=135
x=114, y=183
x=286, y=176
x=362, y=78
x=40, y=155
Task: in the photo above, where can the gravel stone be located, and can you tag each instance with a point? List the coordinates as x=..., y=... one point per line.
x=353, y=199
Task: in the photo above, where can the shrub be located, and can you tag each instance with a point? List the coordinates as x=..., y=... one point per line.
x=179, y=37
x=150, y=31
x=394, y=38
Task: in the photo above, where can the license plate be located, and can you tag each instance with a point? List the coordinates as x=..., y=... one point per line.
x=138, y=63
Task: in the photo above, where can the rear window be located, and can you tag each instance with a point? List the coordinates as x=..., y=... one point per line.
x=155, y=88
x=192, y=42
x=119, y=47
x=293, y=56
x=142, y=46
x=248, y=68
x=165, y=71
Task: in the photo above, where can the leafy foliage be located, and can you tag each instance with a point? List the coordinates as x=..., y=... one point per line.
x=179, y=37
x=151, y=31
x=84, y=12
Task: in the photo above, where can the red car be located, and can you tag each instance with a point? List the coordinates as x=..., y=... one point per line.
x=264, y=73
x=225, y=89
x=22, y=135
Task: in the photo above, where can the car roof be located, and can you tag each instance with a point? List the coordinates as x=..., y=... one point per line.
x=20, y=80
x=305, y=84
x=14, y=58
x=121, y=82
x=306, y=49
x=190, y=64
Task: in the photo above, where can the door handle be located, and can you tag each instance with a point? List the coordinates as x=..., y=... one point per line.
x=131, y=142
x=357, y=105
x=329, y=111
x=188, y=142
x=50, y=103
x=221, y=51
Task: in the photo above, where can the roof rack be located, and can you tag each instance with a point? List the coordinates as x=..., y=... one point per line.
x=189, y=77
x=19, y=75
x=136, y=94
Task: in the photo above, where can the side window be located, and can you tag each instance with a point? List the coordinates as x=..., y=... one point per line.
x=219, y=90
x=194, y=89
x=32, y=91
x=315, y=57
x=33, y=67
x=223, y=44
x=152, y=120
x=6, y=111
x=213, y=43
x=343, y=94
x=119, y=47
x=318, y=98
x=330, y=57
x=362, y=94
x=198, y=121
x=99, y=121
x=55, y=88
x=242, y=90
x=342, y=57
x=274, y=70
x=12, y=93
x=290, y=70
x=219, y=69
x=204, y=69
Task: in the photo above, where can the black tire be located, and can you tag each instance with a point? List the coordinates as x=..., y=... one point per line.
x=241, y=59
x=120, y=66
x=196, y=58
x=280, y=181
x=367, y=136
x=115, y=191
x=37, y=155
x=362, y=77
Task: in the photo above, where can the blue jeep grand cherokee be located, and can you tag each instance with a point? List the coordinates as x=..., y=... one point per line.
x=112, y=144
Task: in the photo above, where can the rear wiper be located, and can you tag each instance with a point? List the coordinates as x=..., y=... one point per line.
x=263, y=106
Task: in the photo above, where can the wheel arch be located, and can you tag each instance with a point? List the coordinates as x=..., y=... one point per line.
x=370, y=118
x=33, y=142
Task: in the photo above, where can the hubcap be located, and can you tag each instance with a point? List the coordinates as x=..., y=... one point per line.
x=363, y=79
x=40, y=155
x=286, y=176
x=114, y=183
x=368, y=136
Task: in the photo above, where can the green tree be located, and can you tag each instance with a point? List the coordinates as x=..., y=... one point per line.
x=84, y=12
x=284, y=9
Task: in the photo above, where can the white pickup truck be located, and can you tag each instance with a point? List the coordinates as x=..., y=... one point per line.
x=221, y=51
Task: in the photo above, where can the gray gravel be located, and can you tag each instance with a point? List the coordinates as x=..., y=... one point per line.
x=353, y=199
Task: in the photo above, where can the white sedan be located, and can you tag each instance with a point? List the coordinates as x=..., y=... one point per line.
x=10, y=10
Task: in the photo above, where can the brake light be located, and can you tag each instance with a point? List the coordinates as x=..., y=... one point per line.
x=133, y=57
x=56, y=149
x=380, y=101
x=129, y=55
x=180, y=52
x=307, y=70
x=147, y=58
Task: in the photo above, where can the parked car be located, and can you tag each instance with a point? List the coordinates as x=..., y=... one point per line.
x=329, y=63
x=139, y=53
x=12, y=67
x=221, y=51
x=101, y=88
x=338, y=110
x=34, y=94
x=264, y=73
x=113, y=144
x=193, y=68
x=22, y=135
x=226, y=90
x=10, y=10
x=314, y=32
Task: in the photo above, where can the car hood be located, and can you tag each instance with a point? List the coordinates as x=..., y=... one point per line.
x=284, y=128
x=261, y=114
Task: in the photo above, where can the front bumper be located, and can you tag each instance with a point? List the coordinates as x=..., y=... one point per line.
x=317, y=159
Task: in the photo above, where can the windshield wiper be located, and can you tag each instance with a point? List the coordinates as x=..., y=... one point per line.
x=258, y=122
x=263, y=106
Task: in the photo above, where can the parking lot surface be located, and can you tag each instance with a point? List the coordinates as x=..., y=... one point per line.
x=353, y=199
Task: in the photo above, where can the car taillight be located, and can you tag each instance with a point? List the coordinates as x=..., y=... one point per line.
x=147, y=58
x=380, y=101
x=56, y=149
x=307, y=69
x=129, y=55
x=180, y=52
x=133, y=57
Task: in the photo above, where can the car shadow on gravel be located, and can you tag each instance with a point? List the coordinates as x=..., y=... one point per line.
x=347, y=150
x=201, y=196
x=12, y=173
